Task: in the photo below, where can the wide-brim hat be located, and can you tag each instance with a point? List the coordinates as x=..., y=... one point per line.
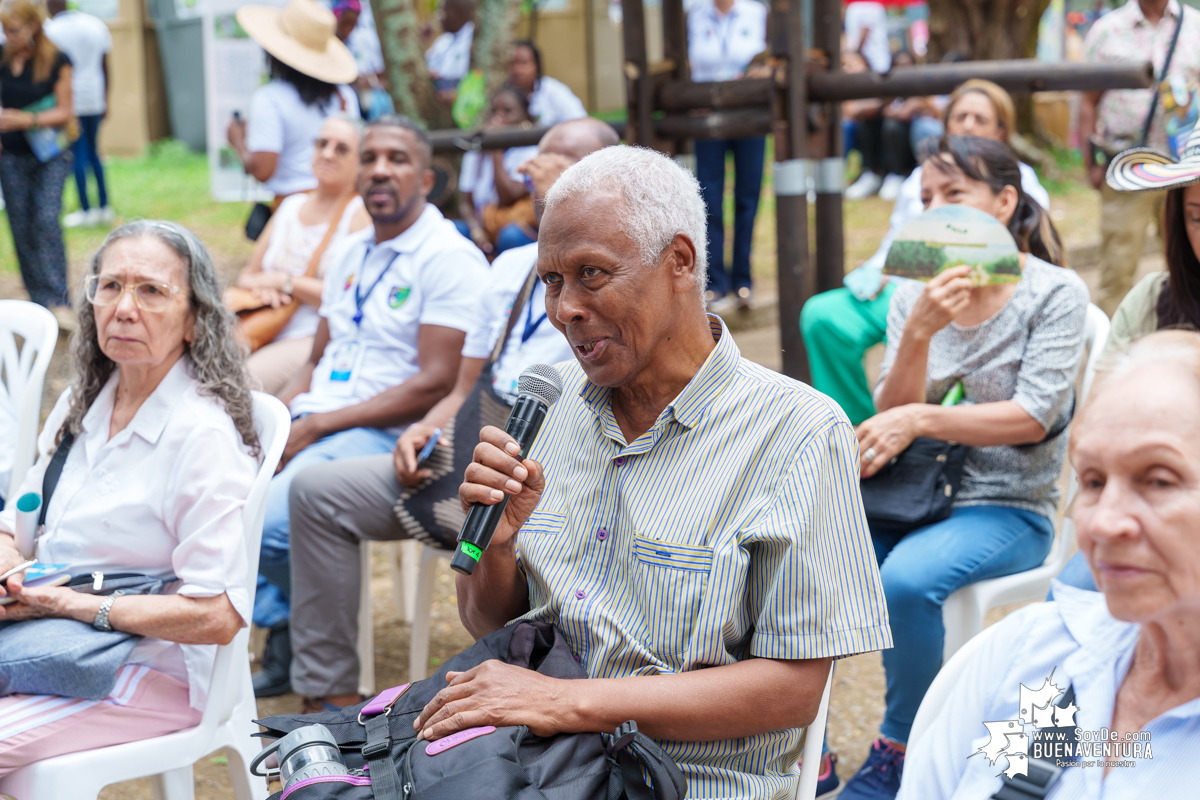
x=302, y=35
x=1144, y=169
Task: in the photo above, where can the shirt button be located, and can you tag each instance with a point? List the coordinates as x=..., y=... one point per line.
x=619, y=461
x=601, y=534
x=580, y=594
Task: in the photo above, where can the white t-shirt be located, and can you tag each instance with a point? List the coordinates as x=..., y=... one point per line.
x=85, y=39
x=428, y=275
x=449, y=56
x=8, y=441
x=164, y=497
x=534, y=340
x=869, y=20
x=291, y=249
x=721, y=46
x=478, y=177
x=553, y=102
x=281, y=123
x=868, y=279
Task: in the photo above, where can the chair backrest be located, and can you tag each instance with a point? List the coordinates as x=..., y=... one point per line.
x=1096, y=330
x=272, y=422
x=24, y=376
x=939, y=690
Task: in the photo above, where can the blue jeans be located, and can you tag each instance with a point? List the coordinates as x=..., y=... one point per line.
x=86, y=153
x=510, y=236
x=921, y=569
x=747, y=185
x=274, y=568
x=924, y=128
x=1076, y=573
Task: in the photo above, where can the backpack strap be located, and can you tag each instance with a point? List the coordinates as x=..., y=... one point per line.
x=385, y=781
x=53, y=473
x=630, y=746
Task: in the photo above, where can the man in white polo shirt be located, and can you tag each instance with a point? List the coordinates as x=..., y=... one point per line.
x=396, y=310
x=384, y=497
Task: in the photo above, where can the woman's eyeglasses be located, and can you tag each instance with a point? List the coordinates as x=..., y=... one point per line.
x=103, y=290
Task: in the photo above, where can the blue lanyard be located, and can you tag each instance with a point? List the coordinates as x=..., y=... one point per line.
x=725, y=31
x=360, y=301
x=531, y=326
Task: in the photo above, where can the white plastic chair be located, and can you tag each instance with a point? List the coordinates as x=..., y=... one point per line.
x=413, y=566
x=810, y=757
x=24, y=376
x=939, y=690
x=228, y=713
x=964, y=610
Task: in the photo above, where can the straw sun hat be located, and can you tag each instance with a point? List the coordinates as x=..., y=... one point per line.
x=301, y=35
x=1143, y=169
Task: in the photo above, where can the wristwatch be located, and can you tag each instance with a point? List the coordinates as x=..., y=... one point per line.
x=288, y=285
x=101, y=621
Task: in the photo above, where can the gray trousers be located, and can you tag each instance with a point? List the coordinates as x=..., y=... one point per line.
x=333, y=507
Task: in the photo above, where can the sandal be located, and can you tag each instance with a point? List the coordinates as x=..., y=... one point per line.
x=319, y=705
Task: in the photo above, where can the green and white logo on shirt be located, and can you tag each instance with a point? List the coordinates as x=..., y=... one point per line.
x=397, y=296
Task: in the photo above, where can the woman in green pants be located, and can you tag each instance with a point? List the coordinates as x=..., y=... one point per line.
x=839, y=326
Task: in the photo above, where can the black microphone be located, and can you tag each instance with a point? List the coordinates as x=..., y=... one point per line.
x=538, y=388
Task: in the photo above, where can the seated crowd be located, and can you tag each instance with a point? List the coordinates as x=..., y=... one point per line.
x=664, y=435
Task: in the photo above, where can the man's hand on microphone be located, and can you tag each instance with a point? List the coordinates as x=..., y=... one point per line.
x=496, y=471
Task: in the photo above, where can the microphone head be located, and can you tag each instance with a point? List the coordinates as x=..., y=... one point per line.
x=542, y=382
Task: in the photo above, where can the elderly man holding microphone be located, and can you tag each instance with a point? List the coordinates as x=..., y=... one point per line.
x=689, y=520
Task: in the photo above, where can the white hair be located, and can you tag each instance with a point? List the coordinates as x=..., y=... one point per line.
x=661, y=199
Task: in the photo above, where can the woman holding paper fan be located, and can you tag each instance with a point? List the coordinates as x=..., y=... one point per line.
x=1015, y=348
x=157, y=452
x=35, y=96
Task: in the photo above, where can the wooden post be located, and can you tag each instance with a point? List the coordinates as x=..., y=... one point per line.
x=639, y=95
x=675, y=47
x=796, y=279
x=830, y=165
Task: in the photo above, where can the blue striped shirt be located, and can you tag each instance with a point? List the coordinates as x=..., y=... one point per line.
x=732, y=529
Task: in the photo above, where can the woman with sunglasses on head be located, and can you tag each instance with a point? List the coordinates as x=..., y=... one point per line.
x=1015, y=348
x=839, y=326
x=161, y=453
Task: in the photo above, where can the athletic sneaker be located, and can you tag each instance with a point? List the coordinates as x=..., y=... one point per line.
x=828, y=782
x=890, y=189
x=103, y=216
x=879, y=778
x=77, y=219
x=867, y=185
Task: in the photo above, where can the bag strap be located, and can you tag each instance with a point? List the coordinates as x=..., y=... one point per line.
x=53, y=473
x=1162, y=76
x=630, y=746
x=385, y=782
x=334, y=224
x=518, y=304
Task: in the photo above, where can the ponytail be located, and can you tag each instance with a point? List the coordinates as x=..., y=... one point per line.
x=995, y=164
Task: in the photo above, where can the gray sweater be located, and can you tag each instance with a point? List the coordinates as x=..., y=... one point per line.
x=1028, y=352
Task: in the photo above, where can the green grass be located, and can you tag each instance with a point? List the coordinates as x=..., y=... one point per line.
x=168, y=181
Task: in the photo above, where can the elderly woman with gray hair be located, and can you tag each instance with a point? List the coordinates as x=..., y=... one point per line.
x=161, y=456
x=1121, y=666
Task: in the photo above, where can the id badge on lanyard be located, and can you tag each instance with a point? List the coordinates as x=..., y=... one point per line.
x=345, y=364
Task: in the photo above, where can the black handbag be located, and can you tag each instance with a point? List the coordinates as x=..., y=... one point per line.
x=918, y=487
x=260, y=215
x=388, y=762
x=915, y=488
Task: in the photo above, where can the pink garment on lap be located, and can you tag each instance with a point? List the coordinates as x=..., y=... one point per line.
x=142, y=705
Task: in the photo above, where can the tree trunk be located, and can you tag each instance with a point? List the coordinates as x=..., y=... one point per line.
x=404, y=63
x=984, y=29
x=496, y=22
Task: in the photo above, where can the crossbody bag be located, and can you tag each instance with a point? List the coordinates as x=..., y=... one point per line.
x=67, y=657
x=431, y=511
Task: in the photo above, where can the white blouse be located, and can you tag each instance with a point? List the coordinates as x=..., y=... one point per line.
x=163, y=498
x=291, y=250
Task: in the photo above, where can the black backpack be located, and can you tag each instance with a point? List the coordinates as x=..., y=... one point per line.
x=388, y=762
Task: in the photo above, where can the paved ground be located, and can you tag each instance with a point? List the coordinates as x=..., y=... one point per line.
x=857, y=701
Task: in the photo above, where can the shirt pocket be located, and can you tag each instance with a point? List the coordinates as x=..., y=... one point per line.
x=669, y=584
